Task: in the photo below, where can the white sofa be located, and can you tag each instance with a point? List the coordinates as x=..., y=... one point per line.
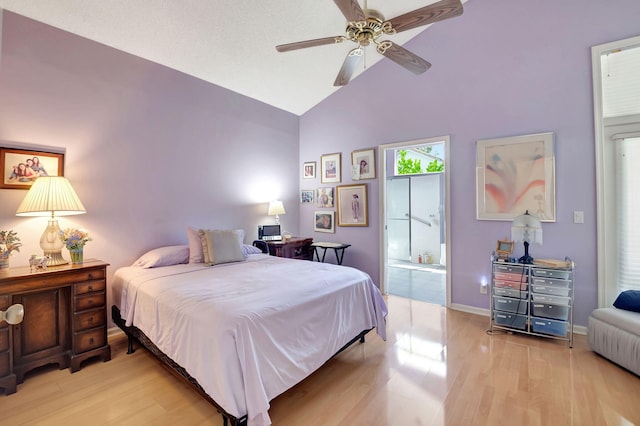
x=615, y=334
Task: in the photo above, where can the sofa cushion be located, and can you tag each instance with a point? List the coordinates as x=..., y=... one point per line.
x=624, y=320
x=629, y=300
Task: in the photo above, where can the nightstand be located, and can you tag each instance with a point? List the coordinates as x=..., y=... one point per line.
x=64, y=319
x=294, y=248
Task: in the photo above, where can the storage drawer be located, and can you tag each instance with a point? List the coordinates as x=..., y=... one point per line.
x=547, y=298
x=92, y=300
x=512, y=284
x=551, y=289
x=88, y=319
x=548, y=310
x=550, y=281
x=547, y=326
x=511, y=292
x=89, y=287
x=511, y=269
x=505, y=276
x=510, y=320
x=89, y=340
x=551, y=273
x=507, y=304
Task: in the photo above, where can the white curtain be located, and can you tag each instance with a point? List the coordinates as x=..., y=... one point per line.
x=628, y=212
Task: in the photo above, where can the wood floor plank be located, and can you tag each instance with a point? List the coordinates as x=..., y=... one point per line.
x=438, y=367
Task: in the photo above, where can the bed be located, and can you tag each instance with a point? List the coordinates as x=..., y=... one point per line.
x=242, y=333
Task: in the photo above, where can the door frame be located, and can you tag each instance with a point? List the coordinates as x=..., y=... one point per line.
x=382, y=166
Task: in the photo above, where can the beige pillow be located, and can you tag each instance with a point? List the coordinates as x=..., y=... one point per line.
x=222, y=246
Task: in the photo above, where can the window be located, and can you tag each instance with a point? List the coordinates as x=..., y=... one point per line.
x=616, y=74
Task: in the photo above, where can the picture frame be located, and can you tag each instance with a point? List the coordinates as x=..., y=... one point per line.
x=306, y=196
x=516, y=174
x=331, y=168
x=504, y=248
x=324, y=221
x=309, y=170
x=363, y=164
x=324, y=197
x=352, y=205
x=18, y=174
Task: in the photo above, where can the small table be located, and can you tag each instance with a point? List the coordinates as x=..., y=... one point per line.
x=338, y=249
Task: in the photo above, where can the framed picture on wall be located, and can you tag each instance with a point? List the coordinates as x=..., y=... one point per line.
x=516, y=174
x=324, y=196
x=309, y=170
x=324, y=221
x=363, y=165
x=352, y=205
x=19, y=168
x=306, y=196
x=331, y=168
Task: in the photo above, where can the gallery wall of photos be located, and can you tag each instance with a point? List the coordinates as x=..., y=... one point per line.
x=339, y=205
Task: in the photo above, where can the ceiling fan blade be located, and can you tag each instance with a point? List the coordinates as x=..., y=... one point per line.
x=348, y=66
x=403, y=57
x=435, y=12
x=350, y=9
x=309, y=43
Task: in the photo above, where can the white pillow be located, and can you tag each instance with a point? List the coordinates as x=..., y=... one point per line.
x=222, y=246
x=163, y=256
x=247, y=249
x=195, y=246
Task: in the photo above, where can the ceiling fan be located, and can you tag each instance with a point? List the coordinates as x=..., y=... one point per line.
x=365, y=26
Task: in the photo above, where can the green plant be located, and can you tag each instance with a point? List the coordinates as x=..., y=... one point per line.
x=435, y=166
x=408, y=166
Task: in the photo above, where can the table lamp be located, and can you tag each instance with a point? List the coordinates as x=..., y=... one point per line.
x=51, y=195
x=276, y=208
x=528, y=229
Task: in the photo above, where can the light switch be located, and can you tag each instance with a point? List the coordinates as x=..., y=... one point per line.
x=578, y=217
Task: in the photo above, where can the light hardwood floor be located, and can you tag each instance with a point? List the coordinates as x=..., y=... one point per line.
x=438, y=367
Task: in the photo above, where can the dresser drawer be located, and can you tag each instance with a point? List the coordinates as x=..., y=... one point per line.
x=89, y=287
x=88, y=319
x=88, y=340
x=91, y=300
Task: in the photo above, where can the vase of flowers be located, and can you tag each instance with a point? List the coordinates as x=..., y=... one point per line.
x=75, y=239
x=9, y=242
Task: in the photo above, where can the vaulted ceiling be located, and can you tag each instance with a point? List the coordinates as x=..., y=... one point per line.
x=229, y=43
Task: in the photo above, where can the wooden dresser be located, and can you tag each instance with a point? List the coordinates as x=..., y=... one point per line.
x=294, y=248
x=65, y=319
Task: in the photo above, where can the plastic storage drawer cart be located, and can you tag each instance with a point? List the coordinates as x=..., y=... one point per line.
x=533, y=299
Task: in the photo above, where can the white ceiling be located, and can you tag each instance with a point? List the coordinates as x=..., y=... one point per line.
x=230, y=43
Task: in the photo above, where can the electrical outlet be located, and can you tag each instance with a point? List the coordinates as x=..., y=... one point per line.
x=483, y=288
x=578, y=217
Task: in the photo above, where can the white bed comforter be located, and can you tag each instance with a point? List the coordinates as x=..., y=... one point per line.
x=249, y=331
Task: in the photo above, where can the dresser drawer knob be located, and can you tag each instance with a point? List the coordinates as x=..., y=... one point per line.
x=90, y=301
x=90, y=287
x=91, y=340
x=90, y=319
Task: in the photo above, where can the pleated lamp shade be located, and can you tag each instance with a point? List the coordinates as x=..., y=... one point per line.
x=51, y=195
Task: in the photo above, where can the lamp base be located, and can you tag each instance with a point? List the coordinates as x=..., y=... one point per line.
x=527, y=260
x=55, y=258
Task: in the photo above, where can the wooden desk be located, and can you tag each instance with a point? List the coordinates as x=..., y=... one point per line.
x=293, y=248
x=65, y=319
x=338, y=249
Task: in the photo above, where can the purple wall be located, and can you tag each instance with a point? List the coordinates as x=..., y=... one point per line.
x=504, y=68
x=149, y=150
